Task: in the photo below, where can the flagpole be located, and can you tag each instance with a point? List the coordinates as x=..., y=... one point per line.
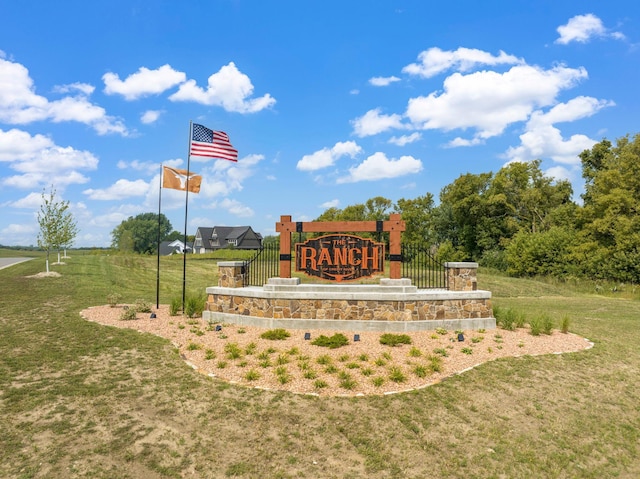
x=186, y=209
x=158, y=266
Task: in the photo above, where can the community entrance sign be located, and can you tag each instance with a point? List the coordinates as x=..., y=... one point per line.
x=332, y=256
x=340, y=257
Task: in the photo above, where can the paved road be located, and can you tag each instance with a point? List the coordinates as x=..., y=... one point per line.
x=6, y=262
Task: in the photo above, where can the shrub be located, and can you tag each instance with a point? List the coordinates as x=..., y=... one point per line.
x=209, y=354
x=113, y=299
x=332, y=342
x=467, y=350
x=128, y=314
x=142, y=306
x=194, y=346
x=252, y=375
x=276, y=334
x=389, y=339
x=565, y=324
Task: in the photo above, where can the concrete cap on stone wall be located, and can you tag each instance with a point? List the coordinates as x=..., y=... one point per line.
x=461, y=264
x=231, y=263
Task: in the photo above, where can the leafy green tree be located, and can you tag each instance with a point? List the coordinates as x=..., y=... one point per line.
x=57, y=225
x=418, y=216
x=609, y=245
x=541, y=253
x=140, y=234
x=461, y=209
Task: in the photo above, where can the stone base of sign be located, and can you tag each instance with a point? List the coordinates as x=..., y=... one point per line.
x=394, y=305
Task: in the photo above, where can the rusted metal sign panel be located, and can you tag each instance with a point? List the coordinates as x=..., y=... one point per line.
x=340, y=257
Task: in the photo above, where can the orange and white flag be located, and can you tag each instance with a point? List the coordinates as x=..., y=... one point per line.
x=177, y=179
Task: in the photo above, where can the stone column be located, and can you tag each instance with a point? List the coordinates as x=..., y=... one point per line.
x=462, y=276
x=231, y=274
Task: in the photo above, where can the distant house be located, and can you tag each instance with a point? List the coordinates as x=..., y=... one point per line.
x=218, y=237
x=173, y=247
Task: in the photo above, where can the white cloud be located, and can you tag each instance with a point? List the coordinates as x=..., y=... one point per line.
x=84, y=88
x=330, y=204
x=144, y=166
x=19, y=104
x=543, y=140
x=583, y=28
x=435, y=61
x=458, y=142
x=151, y=116
x=405, y=139
x=373, y=122
x=224, y=177
x=236, y=208
x=328, y=156
x=119, y=190
x=379, y=167
x=143, y=83
x=228, y=88
x=383, y=81
x=31, y=201
x=489, y=101
x=40, y=162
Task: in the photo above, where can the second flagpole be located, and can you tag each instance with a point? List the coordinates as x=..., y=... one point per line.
x=186, y=209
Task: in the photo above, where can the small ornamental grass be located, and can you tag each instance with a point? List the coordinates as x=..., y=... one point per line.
x=252, y=375
x=174, y=306
x=396, y=375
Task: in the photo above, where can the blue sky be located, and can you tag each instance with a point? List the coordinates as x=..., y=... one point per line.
x=328, y=103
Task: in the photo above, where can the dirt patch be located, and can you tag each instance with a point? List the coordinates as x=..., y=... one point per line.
x=238, y=354
x=50, y=274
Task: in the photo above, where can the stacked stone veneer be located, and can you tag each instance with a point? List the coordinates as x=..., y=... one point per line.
x=393, y=305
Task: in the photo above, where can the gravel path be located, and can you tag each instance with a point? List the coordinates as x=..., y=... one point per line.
x=239, y=355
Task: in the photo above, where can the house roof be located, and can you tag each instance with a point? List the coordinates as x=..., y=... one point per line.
x=167, y=248
x=224, y=233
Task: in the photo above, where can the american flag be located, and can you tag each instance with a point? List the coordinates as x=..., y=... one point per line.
x=211, y=144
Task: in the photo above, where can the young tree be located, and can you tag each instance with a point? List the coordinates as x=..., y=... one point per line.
x=57, y=225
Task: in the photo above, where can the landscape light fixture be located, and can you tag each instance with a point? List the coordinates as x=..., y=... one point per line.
x=153, y=315
x=356, y=337
x=460, y=337
x=307, y=336
x=218, y=327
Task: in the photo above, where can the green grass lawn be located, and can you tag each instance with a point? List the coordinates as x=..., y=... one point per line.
x=79, y=399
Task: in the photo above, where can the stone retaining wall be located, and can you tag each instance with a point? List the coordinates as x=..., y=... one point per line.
x=394, y=305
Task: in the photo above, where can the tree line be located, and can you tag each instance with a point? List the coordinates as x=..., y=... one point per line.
x=525, y=223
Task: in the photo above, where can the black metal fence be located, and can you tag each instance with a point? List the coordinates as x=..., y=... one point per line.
x=264, y=265
x=420, y=266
